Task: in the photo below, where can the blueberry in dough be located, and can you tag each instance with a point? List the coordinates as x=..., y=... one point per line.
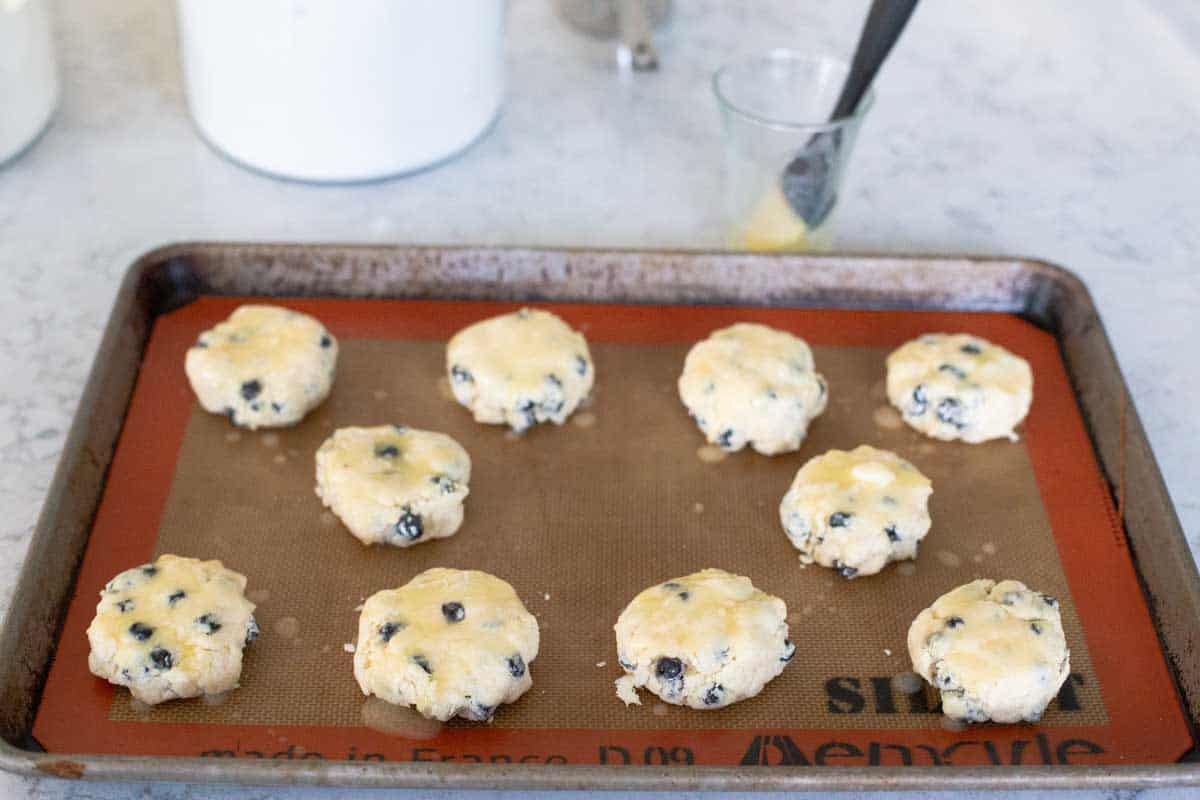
x=444, y=483
x=920, y=401
x=453, y=612
x=950, y=369
x=668, y=668
x=161, y=658
x=950, y=411
x=409, y=525
x=389, y=629
x=516, y=665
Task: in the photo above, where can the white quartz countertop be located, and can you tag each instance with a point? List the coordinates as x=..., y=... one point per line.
x=1065, y=131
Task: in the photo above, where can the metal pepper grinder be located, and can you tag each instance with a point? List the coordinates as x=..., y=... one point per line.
x=632, y=21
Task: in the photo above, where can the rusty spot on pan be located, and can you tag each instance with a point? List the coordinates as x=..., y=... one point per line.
x=61, y=768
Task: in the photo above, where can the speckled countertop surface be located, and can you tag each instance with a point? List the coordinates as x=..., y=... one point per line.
x=1016, y=128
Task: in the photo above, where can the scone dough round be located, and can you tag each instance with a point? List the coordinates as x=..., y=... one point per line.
x=172, y=629
x=995, y=650
x=856, y=511
x=264, y=367
x=394, y=485
x=752, y=385
x=448, y=643
x=958, y=386
x=520, y=369
x=704, y=640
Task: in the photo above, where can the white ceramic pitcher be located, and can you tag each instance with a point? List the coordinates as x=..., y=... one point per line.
x=28, y=74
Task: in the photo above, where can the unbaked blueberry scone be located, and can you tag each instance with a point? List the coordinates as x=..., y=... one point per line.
x=172, y=629
x=996, y=651
x=704, y=641
x=752, y=385
x=394, y=485
x=265, y=366
x=959, y=387
x=448, y=643
x=856, y=511
x=520, y=369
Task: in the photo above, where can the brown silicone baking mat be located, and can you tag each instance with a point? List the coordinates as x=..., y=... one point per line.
x=579, y=519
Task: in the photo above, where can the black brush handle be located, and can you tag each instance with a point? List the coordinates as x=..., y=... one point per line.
x=885, y=22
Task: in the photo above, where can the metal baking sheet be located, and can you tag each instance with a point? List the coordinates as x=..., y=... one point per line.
x=1042, y=295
